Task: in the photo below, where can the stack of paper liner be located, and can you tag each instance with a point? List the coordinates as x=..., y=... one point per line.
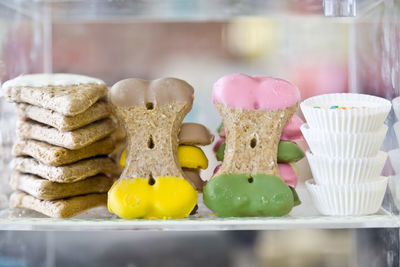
x=344, y=133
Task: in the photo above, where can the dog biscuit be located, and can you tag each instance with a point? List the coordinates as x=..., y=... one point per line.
x=44, y=189
x=68, y=94
x=56, y=155
x=67, y=173
x=76, y=139
x=62, y=208
x=98, y=111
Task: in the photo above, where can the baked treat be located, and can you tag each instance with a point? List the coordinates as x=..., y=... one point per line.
x=65, y=136
x=67, y=173
x=99, y=110
x=152, y=184
x=62, y=208
x=195, y=134
x=76, y=139
x=68, y=94
x=190, y=157
x=255, y=110
x=56, y=155
x=44, y=189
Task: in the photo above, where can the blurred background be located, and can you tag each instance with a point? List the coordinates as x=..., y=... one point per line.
x=114, y=40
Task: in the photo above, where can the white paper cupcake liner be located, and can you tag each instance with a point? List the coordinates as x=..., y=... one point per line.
x=396, y=128
x=394, y=157
x=394, y=186
x=344, y=200
x=396, y=106
x=345, y=145
x=355, y=120
x=340, y=171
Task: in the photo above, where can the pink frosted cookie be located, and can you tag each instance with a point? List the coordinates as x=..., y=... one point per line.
x=255, y=111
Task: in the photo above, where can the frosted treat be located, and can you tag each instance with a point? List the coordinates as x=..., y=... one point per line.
x=76, y=139
x=68, y=94
x=152, y=185
x=192, y=157
x=98, y=111
x=288, y=174
x=63, y=208
x=292, y=131
x=195, y=134
x=44, y=189
x=56, y=155
x=255, y=110
x=67, y=173
x=194, y=176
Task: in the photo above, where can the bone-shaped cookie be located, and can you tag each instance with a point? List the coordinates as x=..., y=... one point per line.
x=255, y=110
x=151, y=113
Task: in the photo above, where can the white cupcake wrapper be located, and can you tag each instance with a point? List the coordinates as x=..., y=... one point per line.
x=394, y=185
x=396, y=106
x=341, y=171
x=396, y=128
x=345, y=145
x=367, y=119
x=394, y=157
x=344, y=200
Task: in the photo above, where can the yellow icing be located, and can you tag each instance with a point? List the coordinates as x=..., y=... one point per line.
x=122, y=159
x=189, y=157
x=192, y=157
x=169, y=197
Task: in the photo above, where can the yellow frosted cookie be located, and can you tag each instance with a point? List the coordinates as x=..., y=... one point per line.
x=192, y=157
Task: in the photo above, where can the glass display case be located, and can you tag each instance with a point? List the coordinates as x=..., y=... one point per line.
x=321, y=46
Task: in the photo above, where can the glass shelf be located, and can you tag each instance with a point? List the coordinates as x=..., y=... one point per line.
x=99, y=219
x=106, y=10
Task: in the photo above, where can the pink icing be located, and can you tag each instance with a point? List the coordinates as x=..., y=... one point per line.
x=218, y=144
x=216, y=169
x=288, y=174
x=257, y=92
x=292, y=131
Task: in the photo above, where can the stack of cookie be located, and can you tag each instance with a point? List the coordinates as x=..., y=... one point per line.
x=61, y=165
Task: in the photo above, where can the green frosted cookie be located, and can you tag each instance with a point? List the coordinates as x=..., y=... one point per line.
x=289, y=152
x=221, y=152
x=244, y=195
x=296, y=198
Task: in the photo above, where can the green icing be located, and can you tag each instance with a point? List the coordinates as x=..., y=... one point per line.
x=221, y=152
x=242, y=195
x=297, y=200
x=289, y=152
